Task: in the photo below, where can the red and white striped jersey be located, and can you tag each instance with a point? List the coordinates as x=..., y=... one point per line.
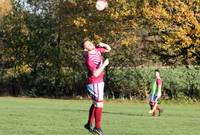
x=93, y=62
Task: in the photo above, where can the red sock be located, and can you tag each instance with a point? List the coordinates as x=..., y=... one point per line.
x=154, y=113
x=98, y=116
x=157, y=108
x=91, y=114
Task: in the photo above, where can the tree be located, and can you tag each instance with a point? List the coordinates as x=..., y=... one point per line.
x=177, y=24
x=40, y=40
x=5, y=7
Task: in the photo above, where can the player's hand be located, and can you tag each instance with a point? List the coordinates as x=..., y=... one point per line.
x=102, y=44
x=106, y=46
x=106, y=62
x=159, y=95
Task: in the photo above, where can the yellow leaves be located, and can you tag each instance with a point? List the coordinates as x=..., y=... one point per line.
x=115, y=15
x=5, y=7
x=98, y=38
x=162, y=12
x=177, y=23
x=125, y=42
x=80, y=22
x=158, y=16
x=24, y=30
x=157, y=12
x=130, y=40
x=197, y=32
x=181, y=35
x=186, y=42
x=184, y=13
x=166, y=13
x=24, y=68
x=197, y=43
x=162, y=24
x=177, y=40
x=181, y=32
x=190, y=52
x=122, y=8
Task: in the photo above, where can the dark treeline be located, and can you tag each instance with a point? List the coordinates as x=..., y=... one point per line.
x=40, y=54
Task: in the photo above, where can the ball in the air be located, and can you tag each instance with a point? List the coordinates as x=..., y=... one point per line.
x=101, y=5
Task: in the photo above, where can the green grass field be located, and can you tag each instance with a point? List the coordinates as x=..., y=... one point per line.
x=24, y=116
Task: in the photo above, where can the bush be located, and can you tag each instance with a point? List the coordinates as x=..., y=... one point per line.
x=176, y=81
x=126, y=83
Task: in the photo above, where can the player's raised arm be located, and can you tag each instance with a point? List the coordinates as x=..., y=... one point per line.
x=106, y=46
x=95, y=83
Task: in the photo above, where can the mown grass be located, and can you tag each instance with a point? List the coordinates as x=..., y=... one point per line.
x=26, y=116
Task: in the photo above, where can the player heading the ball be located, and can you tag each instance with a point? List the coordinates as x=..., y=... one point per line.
x=95, y=84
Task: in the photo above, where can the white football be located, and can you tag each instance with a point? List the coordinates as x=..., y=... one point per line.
x=101, y=5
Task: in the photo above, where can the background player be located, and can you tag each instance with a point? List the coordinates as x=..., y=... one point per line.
x=155, y=93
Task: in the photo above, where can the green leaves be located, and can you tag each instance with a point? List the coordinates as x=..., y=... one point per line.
x=44, y=38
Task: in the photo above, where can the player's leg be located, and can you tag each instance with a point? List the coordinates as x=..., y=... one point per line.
x=155, y=105
x=98, y=118
x=154, y=110
x=89, y=124
x=91, y=92
x=159, y=110
x=99, y=88
x=151, y=105
x=91, y=114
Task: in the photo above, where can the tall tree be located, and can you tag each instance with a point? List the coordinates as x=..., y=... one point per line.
x=177, y=24
x=5, y=7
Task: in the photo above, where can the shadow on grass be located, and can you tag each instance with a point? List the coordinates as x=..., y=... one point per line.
x=134, y=114
x=105, y=112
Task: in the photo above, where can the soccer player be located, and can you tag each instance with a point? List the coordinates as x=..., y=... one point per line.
x=95, y=84
x=155, y=93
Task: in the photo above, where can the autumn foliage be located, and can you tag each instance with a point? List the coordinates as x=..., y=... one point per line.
x=40, y=53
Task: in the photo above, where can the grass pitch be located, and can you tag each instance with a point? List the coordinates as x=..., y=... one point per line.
x=26, y=116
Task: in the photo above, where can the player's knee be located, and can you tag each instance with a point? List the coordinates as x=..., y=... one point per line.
x=98, y=104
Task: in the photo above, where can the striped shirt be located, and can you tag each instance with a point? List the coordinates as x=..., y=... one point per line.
x=93, y=62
